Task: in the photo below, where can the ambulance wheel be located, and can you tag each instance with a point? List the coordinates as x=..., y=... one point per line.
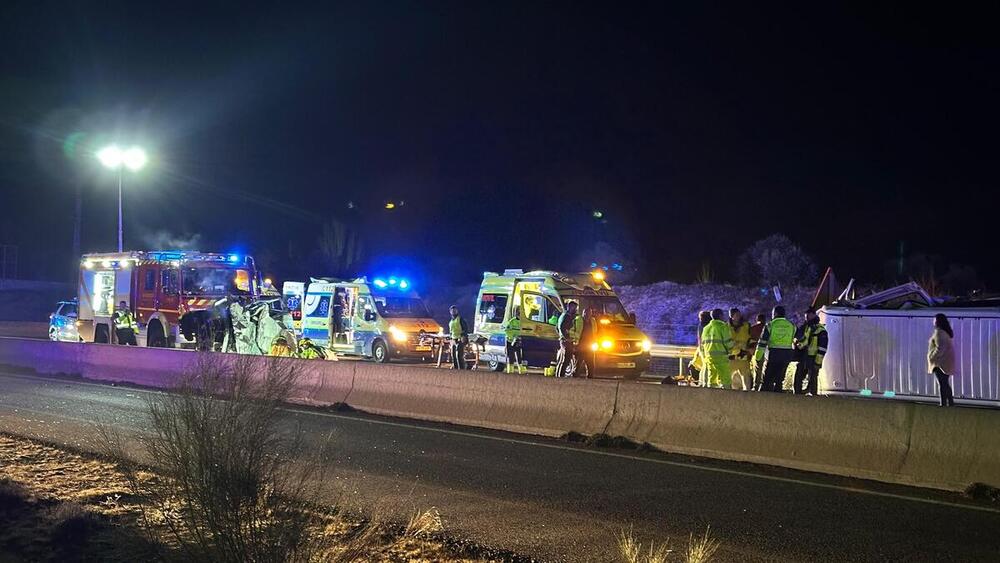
x=497, y=365
x=102, y=335
x=380, y=352
x=53, y=333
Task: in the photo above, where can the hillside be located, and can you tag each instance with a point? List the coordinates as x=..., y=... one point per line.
x=668, y=311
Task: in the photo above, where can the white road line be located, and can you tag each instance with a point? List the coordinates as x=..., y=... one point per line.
x=588, y=451
x=685, y=465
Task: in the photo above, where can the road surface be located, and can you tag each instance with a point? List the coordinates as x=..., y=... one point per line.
x=557, y=501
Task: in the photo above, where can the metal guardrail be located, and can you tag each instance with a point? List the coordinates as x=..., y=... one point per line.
x=672, y=351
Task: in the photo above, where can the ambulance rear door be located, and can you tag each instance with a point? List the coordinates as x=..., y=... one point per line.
x=316, y=308
x=293, y=294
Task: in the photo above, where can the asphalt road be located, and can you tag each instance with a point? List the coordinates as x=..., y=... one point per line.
x=557, y=501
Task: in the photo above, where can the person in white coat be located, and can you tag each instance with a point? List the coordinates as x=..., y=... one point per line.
x=941, y=357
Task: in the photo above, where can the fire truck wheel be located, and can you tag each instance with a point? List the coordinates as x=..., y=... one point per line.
x=205, y=337
x=102, y=335
x=380, y=353
x=154, y=335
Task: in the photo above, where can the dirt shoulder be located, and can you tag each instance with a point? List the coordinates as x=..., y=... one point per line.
x=58, y=505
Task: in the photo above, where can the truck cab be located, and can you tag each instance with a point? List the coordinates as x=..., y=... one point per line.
x=615, y=348
x=381, y=320
x=171, y=293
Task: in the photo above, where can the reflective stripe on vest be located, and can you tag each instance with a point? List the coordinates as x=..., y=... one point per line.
x=455, y=327
x=717, y=338
x=577, y=328
x=124, y=320
x=781, y=332
x=813, y=339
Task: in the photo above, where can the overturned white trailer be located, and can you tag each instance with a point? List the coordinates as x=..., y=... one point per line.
x=886, y=351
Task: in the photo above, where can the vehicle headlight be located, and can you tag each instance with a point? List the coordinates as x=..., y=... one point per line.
x=397, y=334
x=646, y=345
x=594, y=346
x=607, y=344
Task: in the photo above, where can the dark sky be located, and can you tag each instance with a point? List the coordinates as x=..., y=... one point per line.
x=502, y=125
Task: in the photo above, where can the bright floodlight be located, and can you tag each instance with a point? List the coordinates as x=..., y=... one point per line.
x=135, y=158
x=111, y=156
x=114, y=157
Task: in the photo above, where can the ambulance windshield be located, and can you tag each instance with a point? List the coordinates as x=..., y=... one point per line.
x=401, y=307
x=216, y=281
x=608, y=307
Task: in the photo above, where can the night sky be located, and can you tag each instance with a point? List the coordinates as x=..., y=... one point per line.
x=501, y=127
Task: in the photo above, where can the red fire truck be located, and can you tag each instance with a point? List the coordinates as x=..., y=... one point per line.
x=172, y=294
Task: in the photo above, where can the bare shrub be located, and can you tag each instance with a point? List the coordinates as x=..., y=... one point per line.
x=368, y=538
x=72, y=524
x=424, y=524
x=233, y=485
x=12, y=493
x=705, y=274
x=630, y=550
x=701, y=549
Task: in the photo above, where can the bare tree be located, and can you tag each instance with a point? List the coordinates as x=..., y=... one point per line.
x=234, y=481
x=339, y=246
x=776, y=260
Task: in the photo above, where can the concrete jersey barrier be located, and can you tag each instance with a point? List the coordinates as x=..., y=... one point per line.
x=888, y=441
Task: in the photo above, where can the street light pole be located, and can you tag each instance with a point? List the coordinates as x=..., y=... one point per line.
x=115, y=158
x=121, y=246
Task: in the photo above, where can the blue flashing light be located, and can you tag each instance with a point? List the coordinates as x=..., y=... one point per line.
x=593, y=264
x=379, y=283
x=617, y=266
x=392, y=281
x=167, y=255
x=403, y=284
x=234, y=258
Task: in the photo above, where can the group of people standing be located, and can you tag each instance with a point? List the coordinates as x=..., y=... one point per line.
x=733, y=354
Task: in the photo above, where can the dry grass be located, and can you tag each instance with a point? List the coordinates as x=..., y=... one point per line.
x=56, y=505
x=49, y=496
x=699, y=550
x=631, y=550
x=424, y=524
x=232, y=482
